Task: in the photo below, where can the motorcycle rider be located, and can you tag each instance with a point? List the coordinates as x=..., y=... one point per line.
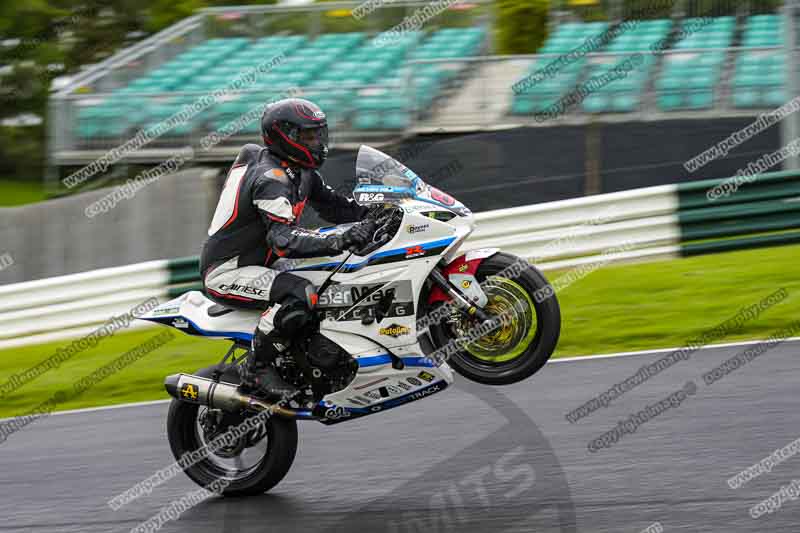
x=256, y=222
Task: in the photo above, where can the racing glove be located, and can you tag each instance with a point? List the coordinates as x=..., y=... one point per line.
x=356, y=236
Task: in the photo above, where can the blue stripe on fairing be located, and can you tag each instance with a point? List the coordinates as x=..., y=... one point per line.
x=372, y=360
x=205, y=333
x=385, y=359
x=349, y=267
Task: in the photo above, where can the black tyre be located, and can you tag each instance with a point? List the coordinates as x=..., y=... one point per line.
x=253, y=464
x=531, y=324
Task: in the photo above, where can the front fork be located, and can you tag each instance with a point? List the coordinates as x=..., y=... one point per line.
x=465, y=306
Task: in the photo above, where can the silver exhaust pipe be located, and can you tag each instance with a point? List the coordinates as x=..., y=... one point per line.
x=219, y=395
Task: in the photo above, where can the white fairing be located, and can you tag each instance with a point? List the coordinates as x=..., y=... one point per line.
x=401, y=267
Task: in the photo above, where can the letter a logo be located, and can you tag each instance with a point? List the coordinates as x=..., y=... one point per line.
x=189, y=391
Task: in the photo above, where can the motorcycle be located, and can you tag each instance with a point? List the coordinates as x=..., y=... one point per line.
x=393, y=320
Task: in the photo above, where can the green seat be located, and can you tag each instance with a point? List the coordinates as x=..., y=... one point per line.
x=396, y=120
x=625, y=102
x=701, y=80
x=596, y=103
x=700, y=99
x=745, y=98
x=667, y=83
x=670, y=101
x=88, y=130
x=775, y=97
x=522, y=106
x=366, y=120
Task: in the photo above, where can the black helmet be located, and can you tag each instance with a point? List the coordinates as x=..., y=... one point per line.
x=296, y=131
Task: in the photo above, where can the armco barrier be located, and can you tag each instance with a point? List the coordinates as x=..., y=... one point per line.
x=764, y=212
x=651, y=223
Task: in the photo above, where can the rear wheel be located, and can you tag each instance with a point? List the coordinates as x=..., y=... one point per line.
x=529, y=324
x=252, y=464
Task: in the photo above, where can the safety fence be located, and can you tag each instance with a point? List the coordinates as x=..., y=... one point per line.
x=641, y=224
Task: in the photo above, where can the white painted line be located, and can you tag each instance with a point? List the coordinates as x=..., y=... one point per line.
x=101, y=408
x=660, y=350
x=110, y=407
x=557, y=360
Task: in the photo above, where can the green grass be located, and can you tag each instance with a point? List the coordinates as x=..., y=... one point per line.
x=617, y=308
x=663, y=304
x=20, y=192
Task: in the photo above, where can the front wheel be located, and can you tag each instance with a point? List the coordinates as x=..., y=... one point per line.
x=529, y=320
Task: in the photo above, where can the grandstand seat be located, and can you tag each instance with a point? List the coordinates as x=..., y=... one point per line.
x=760, y=76
x=536, y=97
x=689, y=80
x=329, y=61
x=392, y=67
x=622, y=95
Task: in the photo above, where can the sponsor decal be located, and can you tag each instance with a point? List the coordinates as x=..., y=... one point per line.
x=404, y=386
x=337, y=413
x=390, y=403
x=336, y=303
x=427, y=376
x=180, y=323
x=466, y=284
x=341, y=294
x=463, y=268
x=373, y=394
x=166, y=311
x=312, y=234
x=414, y=381
x=430, y=389
x=411, y=228
x=384, y=392
x=349, y=314
x=395, y=330
x=394, y=390
x=414, y=251
x=244, y=289
x=189, y=391
x=370, y=197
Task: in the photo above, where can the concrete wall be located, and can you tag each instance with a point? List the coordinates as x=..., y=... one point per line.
x=166, y=219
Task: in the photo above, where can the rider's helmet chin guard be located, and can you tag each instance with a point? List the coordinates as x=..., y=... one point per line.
x=296, y=131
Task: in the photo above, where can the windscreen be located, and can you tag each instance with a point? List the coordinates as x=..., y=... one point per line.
x=373, y=167
x=382, y=179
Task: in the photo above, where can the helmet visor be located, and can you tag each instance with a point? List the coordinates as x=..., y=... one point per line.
x=315, y=138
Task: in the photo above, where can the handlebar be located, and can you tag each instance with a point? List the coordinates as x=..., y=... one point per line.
x=387, y=223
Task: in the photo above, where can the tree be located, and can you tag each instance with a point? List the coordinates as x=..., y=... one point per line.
x=521, y=25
